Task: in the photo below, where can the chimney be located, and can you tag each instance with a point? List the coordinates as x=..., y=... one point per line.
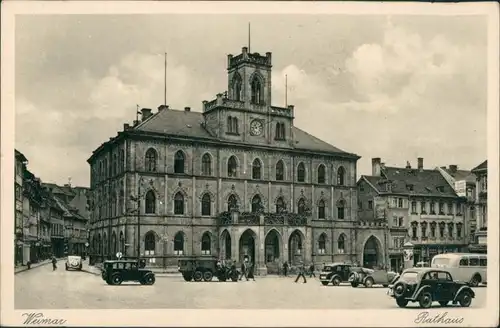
x=126, y=126
x=408, y=165
x=187, y=109
x=376, y=166
x=453, y=168
x=162, y=107
x=146, y=113
x=420, y=163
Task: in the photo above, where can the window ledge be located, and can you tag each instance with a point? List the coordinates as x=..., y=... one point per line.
x=232, y=133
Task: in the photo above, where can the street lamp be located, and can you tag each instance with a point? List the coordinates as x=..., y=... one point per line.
x=138, y=210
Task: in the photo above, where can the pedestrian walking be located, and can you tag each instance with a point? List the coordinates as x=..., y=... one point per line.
x=244, y=270
x=251, y=267
x=285, y=269
x=302, y=270
x=54, y=263
x=311, y=271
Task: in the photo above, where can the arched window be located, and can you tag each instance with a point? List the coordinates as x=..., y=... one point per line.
x=321, y=174
x=179, y=204
x=115, y=164
x=237, y=87
x=151, y=158
x=232, y=167
x=179, y=243
x=341, y=244
x=256, y=88
x=206, y=244
x=105, y=244
x=280, y=171
x=301, y=206
x=256, y=170
x=322, y=244
x=206, y=165
x=341, y=176
x=99, y=244
x=206, y=205
x=340, y=210
x=150, y=202
x=301, y=172
x=232, y=203
x=179, y=162
x=280, y=131
x=321, y=209
x=149, y=243
x=229, y=124
x=256, y=204
x=280, y=205
x=113, y=243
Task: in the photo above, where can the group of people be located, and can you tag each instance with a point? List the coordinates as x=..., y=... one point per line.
x=302, y=271
x=247, y=269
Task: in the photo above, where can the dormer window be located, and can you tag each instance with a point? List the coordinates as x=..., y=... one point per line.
x=257, y=91
x=440, y=188
x=409, y=187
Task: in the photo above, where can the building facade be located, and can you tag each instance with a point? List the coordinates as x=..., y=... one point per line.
x=418, y=205
x=237, y=179
x=480, y=242
x=19, y=165
x=464, y=184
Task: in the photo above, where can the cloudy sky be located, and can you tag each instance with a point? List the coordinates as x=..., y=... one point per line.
x=397, y=87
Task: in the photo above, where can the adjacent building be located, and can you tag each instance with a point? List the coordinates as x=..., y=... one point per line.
x=236, y=179
x=464, y=184
x=419, y=206
x=22, y=251
x=480, y=241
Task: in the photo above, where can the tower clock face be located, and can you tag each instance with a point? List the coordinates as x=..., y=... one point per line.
x=256, y=128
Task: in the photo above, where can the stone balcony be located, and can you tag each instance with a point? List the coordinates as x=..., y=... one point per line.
x=223, y=101
x=271, y=219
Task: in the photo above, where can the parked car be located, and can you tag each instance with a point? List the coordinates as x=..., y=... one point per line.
x=428, y=285
x=118, y=271
x=370, y=277
x=74, y=262
x=335, y=273
x=422, y=265
x=205, y=268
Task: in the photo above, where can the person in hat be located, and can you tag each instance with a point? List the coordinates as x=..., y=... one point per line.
x=54, y=263
x=301, y=273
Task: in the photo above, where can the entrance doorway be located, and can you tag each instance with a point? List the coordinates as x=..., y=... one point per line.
x=371, y=253
x=247, y=245
x=295, y=252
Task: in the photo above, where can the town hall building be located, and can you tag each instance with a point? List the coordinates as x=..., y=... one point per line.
x=236, y=179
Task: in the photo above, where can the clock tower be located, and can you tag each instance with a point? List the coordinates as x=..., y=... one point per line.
x=244, y=113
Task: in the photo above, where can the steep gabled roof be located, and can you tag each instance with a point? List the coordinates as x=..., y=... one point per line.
x=189, y=124
x=458, y=175
x=481, y=167
x=409, y=182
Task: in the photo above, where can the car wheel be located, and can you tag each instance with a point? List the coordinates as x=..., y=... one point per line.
x=354, y=284
x=207, y=275
x=401, y=302
x=465, y=299
x=425, y=300
x=336, y=281
x=198, y=276
x=369, y=283
x=443, y=303
x=474, y=282
x=399, y=289
x=67, y=268
x=149, y=279
x=187, y=276
x=234, y=276
x=116, y=279
x=324, y=283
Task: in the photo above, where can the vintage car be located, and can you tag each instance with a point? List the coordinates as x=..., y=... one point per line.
x=74, y=262
x=118, y=271
x=205, y=268
x=427, y=285
x=370, y=277
x=335, y=273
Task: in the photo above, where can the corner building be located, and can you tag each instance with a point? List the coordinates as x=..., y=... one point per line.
x=236, y=179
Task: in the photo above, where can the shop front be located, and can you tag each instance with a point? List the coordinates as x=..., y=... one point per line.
x=396, y=261
x=425, y=253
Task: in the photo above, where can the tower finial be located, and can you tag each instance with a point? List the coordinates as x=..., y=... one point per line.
x=249, y=37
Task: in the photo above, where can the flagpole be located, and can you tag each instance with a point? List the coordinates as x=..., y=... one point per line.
x=286, y=90
x=165, y=93
x=248, y=37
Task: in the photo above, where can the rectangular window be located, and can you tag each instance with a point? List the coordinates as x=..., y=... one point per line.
x=441, y=208
x=400, y=221
x=473, y=261
x=450, y=208
x=370, y=204
x=433, y=211
x=394, y=202
x=483, y=262
x=423, y=209
x=400, y=202
x=414, y=207
x=395, y=221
